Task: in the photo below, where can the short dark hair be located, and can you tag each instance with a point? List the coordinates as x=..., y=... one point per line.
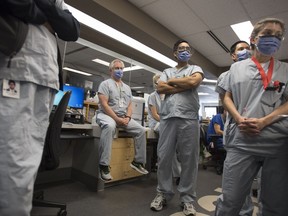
x=233, y=47
x=220, y=109
x=177, y=44
x=11, y=81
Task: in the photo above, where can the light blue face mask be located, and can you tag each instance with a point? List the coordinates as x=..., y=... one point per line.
x=184, y=56
x=118, y=74
x=268, y=45
x=243, y=54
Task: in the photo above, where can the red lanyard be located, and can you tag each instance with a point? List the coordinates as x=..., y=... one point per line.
x=265, y=79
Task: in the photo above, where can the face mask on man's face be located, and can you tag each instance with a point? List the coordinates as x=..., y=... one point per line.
x=268, y=45
x=243, y=54
x=184, y=56
x=118, y=74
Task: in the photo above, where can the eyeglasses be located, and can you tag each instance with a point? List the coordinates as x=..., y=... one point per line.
x=184, y=48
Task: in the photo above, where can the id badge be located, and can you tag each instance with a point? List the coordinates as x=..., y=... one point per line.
x=11, y=88
x=121, y=102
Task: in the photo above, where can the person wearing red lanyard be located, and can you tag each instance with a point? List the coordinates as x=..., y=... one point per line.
x=256, y=134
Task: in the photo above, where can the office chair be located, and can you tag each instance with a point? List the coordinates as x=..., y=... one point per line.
x=51, y=153
x=218, y=155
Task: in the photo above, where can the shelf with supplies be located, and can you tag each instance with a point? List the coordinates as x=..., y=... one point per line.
x=89, y=110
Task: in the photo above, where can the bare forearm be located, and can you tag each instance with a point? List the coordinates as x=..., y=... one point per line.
x=188, y=82
x=229, y=105
x=276, y=114
x=108, y=111
x=165, y=88
x=129, y=110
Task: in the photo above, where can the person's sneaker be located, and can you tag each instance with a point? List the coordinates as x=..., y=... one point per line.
x=105, y=173
x=139, y=167
x=158, y=202
x=188, y=209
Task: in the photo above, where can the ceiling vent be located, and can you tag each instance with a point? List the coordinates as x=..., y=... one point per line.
x=218, y=41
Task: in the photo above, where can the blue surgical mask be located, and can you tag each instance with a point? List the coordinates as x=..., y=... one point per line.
x=184, y=56
x=243, y=54
x=268, y=45
x=118, y=74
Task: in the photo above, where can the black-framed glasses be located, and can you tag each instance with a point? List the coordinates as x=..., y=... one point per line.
x=184, y=48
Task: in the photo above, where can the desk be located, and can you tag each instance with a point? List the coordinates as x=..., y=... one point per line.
x=79, y=156
x=76, y=131
x=85, y=153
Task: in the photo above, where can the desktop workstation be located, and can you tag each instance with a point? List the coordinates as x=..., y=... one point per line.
x=79, y=149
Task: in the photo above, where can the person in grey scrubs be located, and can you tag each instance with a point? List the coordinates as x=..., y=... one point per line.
x=25, y=115
x=256, y=134
x=239, y=51
x=115, y=110
x=179, y=127
x=154, y=104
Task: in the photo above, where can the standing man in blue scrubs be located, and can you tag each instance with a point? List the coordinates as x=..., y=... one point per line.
x=256, y=134
x=179, y=127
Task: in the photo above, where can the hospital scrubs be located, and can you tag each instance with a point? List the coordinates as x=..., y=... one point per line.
x=179, y=127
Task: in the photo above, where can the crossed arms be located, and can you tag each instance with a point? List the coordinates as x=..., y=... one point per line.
x=177, y=85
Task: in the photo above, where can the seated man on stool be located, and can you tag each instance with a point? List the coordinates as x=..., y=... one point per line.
x=115, y=110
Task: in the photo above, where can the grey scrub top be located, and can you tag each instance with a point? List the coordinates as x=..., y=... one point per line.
x=251, y=100
x=184, y=104
x=119, y=97
x=221, y=88
x=154, y=100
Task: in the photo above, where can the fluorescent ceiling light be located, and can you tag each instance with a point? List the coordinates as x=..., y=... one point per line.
x=243, y=30
x=101, y=62
x=132, y=68
x=203, y=93
x=137, y=87
x=119, y=36
x=209, y=81
x=77, y=71
x=116, y=55
x=125, y=69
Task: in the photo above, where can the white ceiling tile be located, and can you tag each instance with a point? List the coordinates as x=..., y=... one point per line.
x=217, y=14
x=141, y=3
x=203, y=43
x=176, y=16
x=264, y=8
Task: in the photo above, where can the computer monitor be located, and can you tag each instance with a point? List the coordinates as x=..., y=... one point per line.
x=76, y=99
x=58, y=97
